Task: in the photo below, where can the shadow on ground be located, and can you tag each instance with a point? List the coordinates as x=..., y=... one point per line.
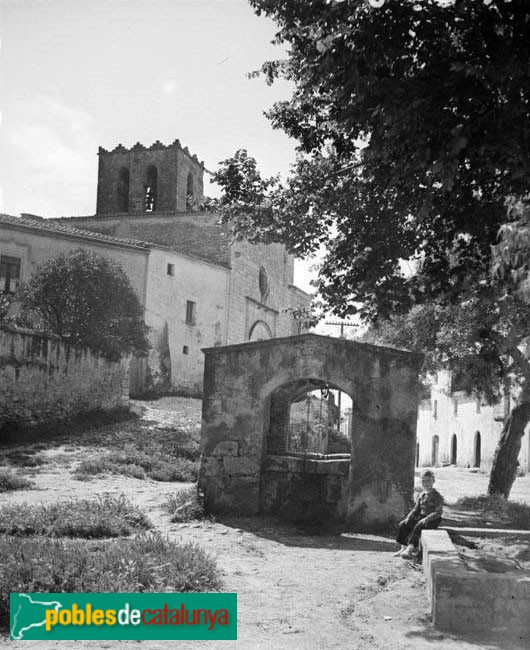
x=290, y=535
x=481, y=642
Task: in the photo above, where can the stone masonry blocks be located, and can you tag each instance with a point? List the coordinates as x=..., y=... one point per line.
x=468, y=600
x=43, y=380
x=177, y=173
x=241, y=470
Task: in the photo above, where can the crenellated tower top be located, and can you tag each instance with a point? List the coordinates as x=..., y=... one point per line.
x=149, y=179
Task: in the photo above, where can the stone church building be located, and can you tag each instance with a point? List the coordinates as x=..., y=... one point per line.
x=199, y=287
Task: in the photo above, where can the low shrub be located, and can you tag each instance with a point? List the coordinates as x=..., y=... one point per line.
x=103, y=517
x=513, y=513
x=185, y=505
x=25, y=458
x=140, y=463
x=93, y=466
x=179, y=469
x=11, y=481
x=148, y=563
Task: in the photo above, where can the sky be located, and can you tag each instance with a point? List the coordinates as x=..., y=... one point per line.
x=79, y=74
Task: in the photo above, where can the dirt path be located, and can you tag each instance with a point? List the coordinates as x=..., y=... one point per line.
x=295, y=591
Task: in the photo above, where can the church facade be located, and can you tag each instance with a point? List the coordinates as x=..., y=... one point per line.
x=199, y=287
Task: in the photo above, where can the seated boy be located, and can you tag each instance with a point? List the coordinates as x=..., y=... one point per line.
x=427, y=513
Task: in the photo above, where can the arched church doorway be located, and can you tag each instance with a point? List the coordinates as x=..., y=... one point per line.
x=259, y=331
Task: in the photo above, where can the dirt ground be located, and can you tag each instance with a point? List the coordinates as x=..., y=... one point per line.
x=295, y=591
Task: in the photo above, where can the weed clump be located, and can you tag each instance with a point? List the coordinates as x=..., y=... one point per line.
x=185, y=506
x=11, y=481
x=25, y=458
x=141, y=463
x=148, y=563
x=90, y=518
x=512, y=513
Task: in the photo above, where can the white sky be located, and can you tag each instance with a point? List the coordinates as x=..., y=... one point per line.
x=76, y=74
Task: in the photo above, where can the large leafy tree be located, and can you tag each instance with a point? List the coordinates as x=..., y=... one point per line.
x=88, y=301
x=412, y=120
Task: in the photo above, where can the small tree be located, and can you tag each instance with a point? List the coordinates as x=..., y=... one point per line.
x=87, y=300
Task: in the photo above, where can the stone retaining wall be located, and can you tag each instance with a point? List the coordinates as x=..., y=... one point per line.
x=304, y=489
x=43, y=380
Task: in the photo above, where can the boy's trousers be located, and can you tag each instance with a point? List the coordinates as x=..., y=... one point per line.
x=409, y=532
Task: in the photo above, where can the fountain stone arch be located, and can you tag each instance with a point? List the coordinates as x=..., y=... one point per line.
x=246, y=468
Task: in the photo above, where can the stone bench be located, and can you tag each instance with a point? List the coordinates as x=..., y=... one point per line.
x=466, y=598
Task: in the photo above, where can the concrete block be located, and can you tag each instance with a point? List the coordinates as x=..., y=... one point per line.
x=437, y=542
x=475, y=600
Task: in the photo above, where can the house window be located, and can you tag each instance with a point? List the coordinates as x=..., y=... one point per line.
x=190, y=312
x=455, y=407
x=9, y=273
x=171, y=269
x=185, y=350
x=435, y=409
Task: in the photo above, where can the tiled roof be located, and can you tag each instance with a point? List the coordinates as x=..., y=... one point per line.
x=52, y=227
x=195, y=234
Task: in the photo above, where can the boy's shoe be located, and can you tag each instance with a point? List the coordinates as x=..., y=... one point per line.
x=409, y=553
x=398, y=553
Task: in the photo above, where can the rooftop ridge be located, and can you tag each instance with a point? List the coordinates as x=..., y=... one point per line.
x=156, y=146
x=49, y=226
x=135, y=215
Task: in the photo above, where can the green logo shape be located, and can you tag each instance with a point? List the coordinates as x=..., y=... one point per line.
x=123, y=616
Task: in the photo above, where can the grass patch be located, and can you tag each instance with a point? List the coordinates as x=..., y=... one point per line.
x=17, y=432
x=11, y=481
x=513, y=513
x=148, y=563
x=25, y=458
x=184, y=506
x=142, y=462
x=103, y=517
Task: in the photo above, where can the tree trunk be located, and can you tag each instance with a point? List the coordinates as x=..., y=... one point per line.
x=504, y=468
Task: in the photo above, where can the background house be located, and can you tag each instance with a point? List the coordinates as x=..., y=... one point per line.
x=457, y=429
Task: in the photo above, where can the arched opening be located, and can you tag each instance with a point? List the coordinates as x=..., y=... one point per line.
x=477, y=449
x=190, y=192
x=434, y=451
x=453, y=449
x=123, y=190
x=310, y=417
x=417, y=454
x=259, y=331
x=150, y=189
